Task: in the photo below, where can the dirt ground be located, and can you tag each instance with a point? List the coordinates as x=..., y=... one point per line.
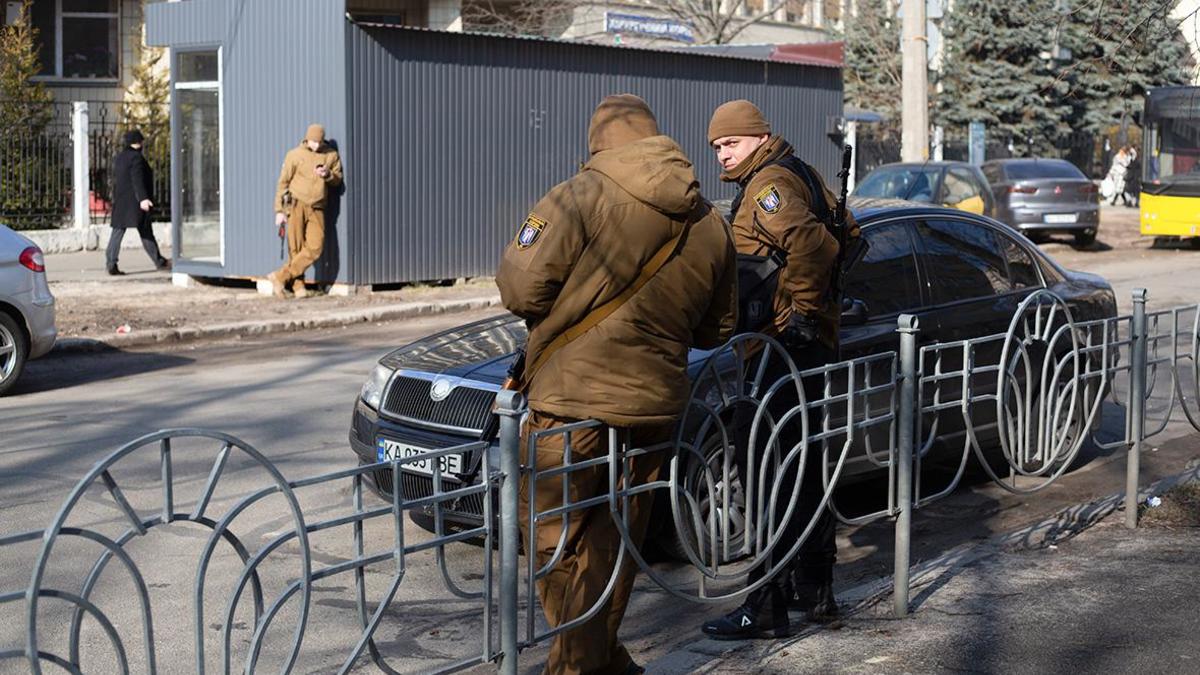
x=1180, y=507
x=148, y=301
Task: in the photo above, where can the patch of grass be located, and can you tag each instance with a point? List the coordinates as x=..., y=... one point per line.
x=1180, y=508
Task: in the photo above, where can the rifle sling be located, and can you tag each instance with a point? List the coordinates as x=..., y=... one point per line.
x=606, y=310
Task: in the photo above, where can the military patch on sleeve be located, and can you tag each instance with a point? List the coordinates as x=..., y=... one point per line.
x=531, y=229
x=768, y=199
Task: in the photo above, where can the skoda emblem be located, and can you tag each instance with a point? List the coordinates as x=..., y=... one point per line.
x=440, y=390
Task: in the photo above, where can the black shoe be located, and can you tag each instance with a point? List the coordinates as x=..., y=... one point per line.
x=114, y=272
x=633, y=669
x=163, y=265
x=816, y=601
x=763, y=615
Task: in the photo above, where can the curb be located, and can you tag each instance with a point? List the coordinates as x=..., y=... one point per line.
x=90, y=238
x=404, y=310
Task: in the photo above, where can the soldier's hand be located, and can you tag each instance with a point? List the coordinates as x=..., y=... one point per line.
x=146, y=204
x=801, y=331
x=321, y=170
x=280, y=219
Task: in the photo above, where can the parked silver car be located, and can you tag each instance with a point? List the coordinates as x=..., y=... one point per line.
x=1041, y=196
x=26, y=306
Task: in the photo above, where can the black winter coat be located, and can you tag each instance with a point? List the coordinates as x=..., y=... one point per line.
x=132, y=182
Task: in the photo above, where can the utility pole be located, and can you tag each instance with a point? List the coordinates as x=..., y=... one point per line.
x=914, y=138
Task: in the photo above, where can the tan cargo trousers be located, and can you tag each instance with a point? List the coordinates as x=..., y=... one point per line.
x=306, y=239
x=592, y=543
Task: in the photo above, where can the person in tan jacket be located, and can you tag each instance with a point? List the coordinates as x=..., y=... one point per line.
x=309, y=172
x=584, y=244
x=777, y=211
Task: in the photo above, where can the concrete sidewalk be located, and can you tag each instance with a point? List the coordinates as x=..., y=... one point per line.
x=94, y=308
x=1077, y=592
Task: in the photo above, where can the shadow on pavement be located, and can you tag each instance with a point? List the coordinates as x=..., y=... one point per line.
x=56, y=371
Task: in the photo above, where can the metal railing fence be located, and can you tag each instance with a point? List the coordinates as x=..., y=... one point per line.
x=1022, y=403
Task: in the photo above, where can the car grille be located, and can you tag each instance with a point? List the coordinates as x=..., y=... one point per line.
x=416, y=487
x=465, y=408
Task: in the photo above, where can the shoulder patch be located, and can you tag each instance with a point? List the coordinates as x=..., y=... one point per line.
x=531, y=230
x=768, y=199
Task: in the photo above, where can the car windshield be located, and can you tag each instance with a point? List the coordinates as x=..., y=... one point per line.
x=1055, y=168
x=914, y=183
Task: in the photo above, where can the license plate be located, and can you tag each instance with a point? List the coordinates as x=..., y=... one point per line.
x=387, y=450
x=1060, y=217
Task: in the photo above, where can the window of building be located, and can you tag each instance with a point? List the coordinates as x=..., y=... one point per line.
x=78, y=39
x=196, y=120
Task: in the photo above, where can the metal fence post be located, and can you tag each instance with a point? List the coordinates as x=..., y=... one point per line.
x=80, y=186
x=908, y=329
x=509, y=406
x=1137, y=415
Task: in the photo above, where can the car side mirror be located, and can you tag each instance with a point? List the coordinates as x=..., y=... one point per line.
x=854, y=312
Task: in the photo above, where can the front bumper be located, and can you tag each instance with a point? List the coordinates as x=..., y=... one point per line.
x=460, y=514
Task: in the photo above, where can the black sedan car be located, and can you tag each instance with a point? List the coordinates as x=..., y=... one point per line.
x=963, y=275
x=1044, y=196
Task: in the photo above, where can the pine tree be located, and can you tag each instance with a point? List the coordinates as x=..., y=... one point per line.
x=1121, y=50
x=998, y=71
x=32, y=173
x=25, y=105
x=873, y=67
x=146, y=105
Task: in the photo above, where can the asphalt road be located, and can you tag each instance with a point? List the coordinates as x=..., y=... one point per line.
x=290, y=396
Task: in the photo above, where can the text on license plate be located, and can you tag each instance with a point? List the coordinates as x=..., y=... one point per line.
x=1060, y=217
x=387, y=450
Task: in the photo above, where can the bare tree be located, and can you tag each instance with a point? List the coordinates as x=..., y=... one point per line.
x=712, y=21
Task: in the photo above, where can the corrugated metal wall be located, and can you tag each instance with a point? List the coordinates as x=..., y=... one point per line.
x=283, y=66
x=456, y=136
x=447, y=139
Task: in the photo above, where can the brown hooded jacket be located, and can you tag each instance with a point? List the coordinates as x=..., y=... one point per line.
x=583, y=244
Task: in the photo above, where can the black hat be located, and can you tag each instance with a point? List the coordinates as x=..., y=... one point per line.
x=134, y=136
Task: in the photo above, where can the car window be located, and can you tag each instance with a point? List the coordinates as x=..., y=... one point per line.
x=1022, y=271
x=961, y=191
x=886, y=278
x=964, y=259
x=1042, y=168
x=993, y=173
x=914, y=183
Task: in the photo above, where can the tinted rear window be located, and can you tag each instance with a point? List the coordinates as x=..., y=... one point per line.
x=914, y=183
x=1055, y=168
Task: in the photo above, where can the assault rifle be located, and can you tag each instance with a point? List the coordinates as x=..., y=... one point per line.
x=846, y=259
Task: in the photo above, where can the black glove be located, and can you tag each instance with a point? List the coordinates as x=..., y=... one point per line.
x=801, y=331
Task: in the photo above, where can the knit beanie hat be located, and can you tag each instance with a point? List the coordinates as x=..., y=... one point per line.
x=619, y=120
x=737, y=118
x=315, y=132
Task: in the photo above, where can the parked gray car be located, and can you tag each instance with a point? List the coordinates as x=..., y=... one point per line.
x=1044, y=196
x=26, y=306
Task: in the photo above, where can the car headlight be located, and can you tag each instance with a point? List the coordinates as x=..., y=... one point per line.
x=372, y=390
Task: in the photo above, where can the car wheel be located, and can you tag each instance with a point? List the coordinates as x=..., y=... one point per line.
x=14, y=351
x=1085, y=238
x=692, y=476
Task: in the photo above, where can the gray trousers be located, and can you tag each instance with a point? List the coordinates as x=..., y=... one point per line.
x=146, y=232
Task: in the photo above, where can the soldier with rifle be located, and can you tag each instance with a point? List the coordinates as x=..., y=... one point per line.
x=794, y=242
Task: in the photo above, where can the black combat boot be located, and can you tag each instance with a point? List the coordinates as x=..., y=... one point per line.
x=813, y=593
x=762, y=615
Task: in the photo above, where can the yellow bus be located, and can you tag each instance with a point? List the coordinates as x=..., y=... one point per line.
x=1170, y=190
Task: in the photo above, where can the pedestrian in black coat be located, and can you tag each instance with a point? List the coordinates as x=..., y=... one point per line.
x=133, y=184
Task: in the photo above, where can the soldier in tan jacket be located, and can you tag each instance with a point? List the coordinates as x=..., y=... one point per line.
x=309, y=172
x=776, y=211
x=583, y=244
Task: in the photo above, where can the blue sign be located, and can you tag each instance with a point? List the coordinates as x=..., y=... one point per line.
x=651, y=26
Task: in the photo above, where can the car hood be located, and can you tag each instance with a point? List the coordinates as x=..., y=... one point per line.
x=480, y=351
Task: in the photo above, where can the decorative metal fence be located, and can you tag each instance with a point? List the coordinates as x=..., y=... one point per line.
x=37, y=166
x=1021, y=403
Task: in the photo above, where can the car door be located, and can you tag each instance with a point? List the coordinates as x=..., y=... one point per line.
x=961, y=190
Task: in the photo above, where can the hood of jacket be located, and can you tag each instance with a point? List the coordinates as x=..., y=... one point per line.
x=654, y=170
